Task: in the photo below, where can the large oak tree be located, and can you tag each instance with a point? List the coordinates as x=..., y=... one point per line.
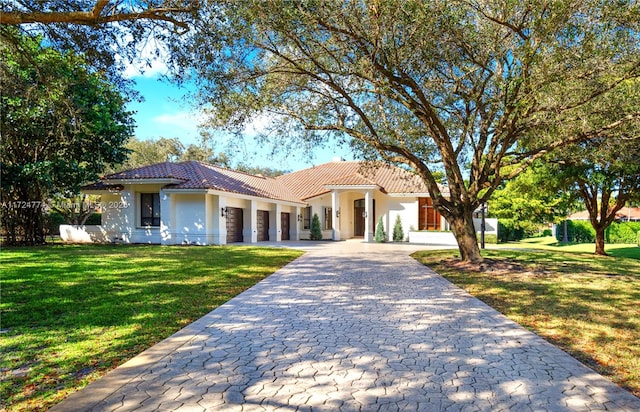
x=479, y=89
x=61, y=124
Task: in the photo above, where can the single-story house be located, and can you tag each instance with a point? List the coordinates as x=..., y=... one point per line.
x=197, y=203
x=626, y=214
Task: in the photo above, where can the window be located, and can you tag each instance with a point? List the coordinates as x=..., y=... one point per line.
x=428, y=216
x=306, y=218
x=327, y=221
x=150, y=209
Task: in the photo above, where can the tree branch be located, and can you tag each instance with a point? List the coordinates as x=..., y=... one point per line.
x=96, y=17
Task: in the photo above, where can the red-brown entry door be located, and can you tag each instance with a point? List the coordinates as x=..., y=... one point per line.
x=284, y=225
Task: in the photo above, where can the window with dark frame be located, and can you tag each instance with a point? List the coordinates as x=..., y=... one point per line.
x=150, y=209
x=306, y=218
x=328, y=219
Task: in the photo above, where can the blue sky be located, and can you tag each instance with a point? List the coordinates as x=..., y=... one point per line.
x=164, y=113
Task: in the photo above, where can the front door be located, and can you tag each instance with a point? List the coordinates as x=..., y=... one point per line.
x=284, y=225
x=263, y=225
x=358, y=217
x=234, y=225
x=359, y=208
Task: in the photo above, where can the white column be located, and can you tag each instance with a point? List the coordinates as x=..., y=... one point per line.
x=219, y=223
x=335, y=206
x=298, y=224
x=368, y=220
x=251, y=222
x=277, y=232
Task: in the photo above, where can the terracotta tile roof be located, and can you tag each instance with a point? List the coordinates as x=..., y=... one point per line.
x=102, y=186
x=312, y=182
x=293, y=187
x=197, y=175
x=626, y=213
x=166, y=170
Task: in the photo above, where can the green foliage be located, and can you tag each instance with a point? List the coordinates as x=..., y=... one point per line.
x=491, y=239
x=508, y=232
x=578, y=231
x=398, y=232
x=529, y=201
x=622, y=232
x=147, y=152
x=88, y=309
x=62, y=125
x=94, y=219
x=316, y=230
x=380, y=235
x=638, y=239
x=53, y=221
x=547, y=232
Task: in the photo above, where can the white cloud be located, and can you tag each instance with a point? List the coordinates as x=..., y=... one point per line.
x=184, y=120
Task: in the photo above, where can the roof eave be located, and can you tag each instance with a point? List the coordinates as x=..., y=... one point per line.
x=143, y=181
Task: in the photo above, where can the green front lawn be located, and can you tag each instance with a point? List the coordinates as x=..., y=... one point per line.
x=588, y=305
x=550, y=243
x=71, y=313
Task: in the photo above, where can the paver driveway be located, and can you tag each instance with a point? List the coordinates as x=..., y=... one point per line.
x=352, y=326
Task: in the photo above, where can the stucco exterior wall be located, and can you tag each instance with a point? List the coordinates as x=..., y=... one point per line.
x=190, y=227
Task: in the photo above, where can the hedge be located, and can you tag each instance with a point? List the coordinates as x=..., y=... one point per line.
x=581, y=231
x=623, y=232
x=578, y=231
x=508, y=233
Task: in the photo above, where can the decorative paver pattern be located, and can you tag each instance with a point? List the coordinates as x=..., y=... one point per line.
x=353, y=327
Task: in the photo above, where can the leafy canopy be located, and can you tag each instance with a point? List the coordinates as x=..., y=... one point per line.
x=62, y=125
x=478, y=90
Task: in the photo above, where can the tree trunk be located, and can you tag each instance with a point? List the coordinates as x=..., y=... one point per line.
x=465, y=234
x=600, y=242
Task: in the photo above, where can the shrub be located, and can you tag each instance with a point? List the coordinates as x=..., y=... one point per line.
x=380, y=235
x=491, y=239
x=638, y=237
x=52, y=223
x=583, y=232
x=547, y=232
x=398, y=233
x=508, y=232
x=623, y=232
x=578, y=231
x=94, y=219
x=316, y=231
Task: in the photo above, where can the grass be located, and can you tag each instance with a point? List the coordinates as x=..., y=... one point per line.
x=585, y=304
x=550, y=243
x=69, y=314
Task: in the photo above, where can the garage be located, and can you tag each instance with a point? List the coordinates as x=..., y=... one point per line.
x=235, y=225
x=263, y=225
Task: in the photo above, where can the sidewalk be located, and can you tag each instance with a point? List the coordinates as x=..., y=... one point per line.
x=353, y=327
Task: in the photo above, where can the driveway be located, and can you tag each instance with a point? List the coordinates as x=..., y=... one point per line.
x=352, y=326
